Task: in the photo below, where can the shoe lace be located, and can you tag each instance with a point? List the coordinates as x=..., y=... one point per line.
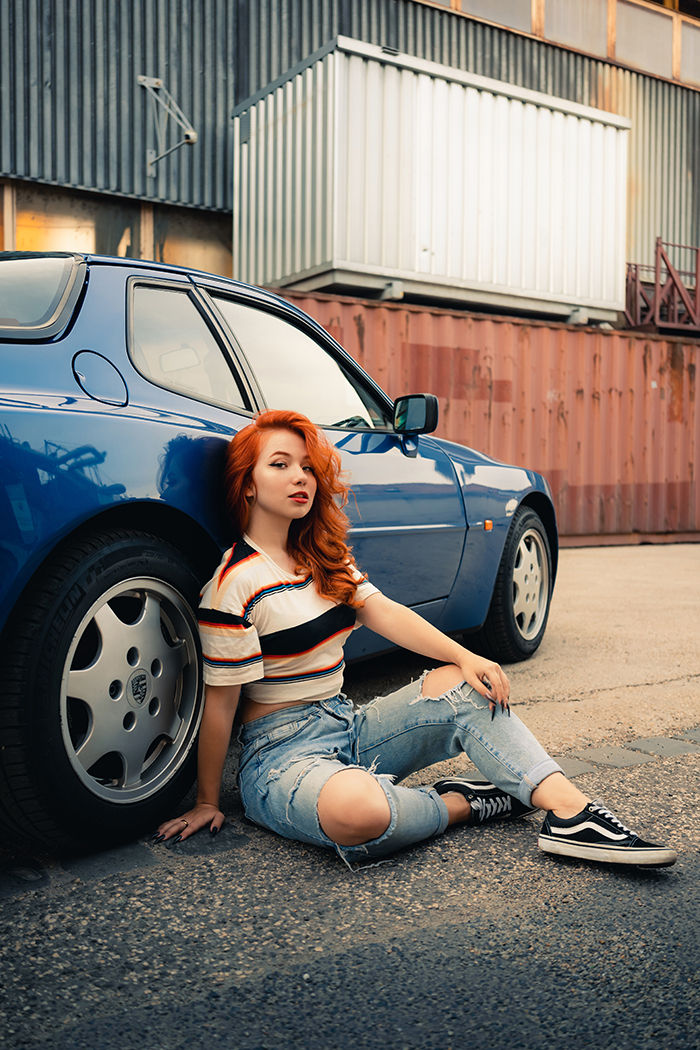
x=598, y=807
x=491, y=807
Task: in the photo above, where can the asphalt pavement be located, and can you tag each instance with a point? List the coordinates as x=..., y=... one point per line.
x=473, y=940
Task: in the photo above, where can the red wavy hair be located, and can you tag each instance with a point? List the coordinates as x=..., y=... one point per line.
x=317, y=542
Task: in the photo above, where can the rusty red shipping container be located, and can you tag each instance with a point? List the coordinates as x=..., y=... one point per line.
x=609, y=417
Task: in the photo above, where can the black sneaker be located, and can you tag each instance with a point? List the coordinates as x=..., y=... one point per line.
x=486, y=800
x=596, y=834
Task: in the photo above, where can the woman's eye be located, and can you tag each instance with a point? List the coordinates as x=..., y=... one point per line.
x=309, y=470
x=278, y=463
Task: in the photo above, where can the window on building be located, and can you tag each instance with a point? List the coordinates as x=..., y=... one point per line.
x=686, y=7
x=644, y=39
x=583, y=26
x=56, y=220
x=690, y=53
x=517, y=14
x=202, y=240
x=172, y=345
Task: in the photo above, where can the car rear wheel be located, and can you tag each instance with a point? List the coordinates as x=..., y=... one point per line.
x=101, y=692
x=519, y=609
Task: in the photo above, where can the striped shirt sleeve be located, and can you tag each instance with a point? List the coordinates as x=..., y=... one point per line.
x=364, y=588
x=231, y=649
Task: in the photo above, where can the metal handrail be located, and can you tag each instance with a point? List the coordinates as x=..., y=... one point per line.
x=669, y=301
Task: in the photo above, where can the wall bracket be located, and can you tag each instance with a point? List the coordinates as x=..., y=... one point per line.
x=164, y=106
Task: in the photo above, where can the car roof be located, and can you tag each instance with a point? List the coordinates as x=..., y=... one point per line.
x=263, y=295
x=250, y=291
x=184, y=271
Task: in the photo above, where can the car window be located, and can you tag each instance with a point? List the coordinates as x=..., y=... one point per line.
x=172, y=345
x=294, y=371
x=38, y=292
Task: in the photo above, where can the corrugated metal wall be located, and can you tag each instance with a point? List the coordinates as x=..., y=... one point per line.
x=664, y=173
x=377, y=166
x=610, y=418
x=68, y=72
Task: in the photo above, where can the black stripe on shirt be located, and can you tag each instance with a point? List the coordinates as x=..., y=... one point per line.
x=296, y=640
x=239, y=552
x=217, y=618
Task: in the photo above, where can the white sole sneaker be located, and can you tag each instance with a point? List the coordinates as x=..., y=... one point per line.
x=647, y=855
x=596, y=834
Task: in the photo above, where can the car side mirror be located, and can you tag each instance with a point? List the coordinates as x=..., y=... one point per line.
x=416, y=414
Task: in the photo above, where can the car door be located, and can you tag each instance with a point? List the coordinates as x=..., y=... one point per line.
x=406, y=511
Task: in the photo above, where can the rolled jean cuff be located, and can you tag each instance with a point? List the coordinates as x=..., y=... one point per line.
x=534, y=777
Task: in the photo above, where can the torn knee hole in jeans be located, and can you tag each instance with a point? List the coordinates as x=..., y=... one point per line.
x=364, y=849
x=458, y=695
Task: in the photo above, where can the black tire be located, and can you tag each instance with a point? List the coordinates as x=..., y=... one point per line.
x=519, y=610
x=101, y=697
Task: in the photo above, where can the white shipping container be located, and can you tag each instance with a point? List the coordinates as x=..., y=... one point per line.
x=368, y=171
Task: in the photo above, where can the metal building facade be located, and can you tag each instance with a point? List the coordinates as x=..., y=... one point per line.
x=68, y=72
x=68, y=77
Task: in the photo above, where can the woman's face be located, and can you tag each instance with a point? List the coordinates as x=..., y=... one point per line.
x=283, y=484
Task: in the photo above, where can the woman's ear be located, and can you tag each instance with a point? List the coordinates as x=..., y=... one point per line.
x=249, y=494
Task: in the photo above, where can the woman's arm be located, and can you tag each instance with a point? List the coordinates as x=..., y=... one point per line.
x=220, y=705
x=409, y=630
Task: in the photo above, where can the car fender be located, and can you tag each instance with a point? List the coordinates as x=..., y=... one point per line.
x=53, y=483
x=492, y=492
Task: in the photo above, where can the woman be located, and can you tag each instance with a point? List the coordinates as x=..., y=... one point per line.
x=273, y=621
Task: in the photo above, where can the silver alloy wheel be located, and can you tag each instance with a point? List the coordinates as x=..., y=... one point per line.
x=530, y=584
x=129, y=692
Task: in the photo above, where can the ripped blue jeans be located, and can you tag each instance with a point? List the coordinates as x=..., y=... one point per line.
x=288, y=755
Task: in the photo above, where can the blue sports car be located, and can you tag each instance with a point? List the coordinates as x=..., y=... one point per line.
x=121, y=384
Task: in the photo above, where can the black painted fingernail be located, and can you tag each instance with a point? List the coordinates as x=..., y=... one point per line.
x=508, y=709
x=493, y=714
x=213, y=831
x=179, y=837
x=157, y=838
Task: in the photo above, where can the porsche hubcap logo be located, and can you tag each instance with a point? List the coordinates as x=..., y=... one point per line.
x=138, y=688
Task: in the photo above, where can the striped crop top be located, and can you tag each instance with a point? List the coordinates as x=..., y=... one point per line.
x=271, y=631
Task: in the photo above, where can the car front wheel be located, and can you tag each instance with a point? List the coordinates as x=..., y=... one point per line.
x=102, y=694
x=519, y=609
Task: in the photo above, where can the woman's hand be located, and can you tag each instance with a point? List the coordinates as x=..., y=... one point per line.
x=201, y=815
x=406, y=628
x=487, y=677
x=214, y=735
